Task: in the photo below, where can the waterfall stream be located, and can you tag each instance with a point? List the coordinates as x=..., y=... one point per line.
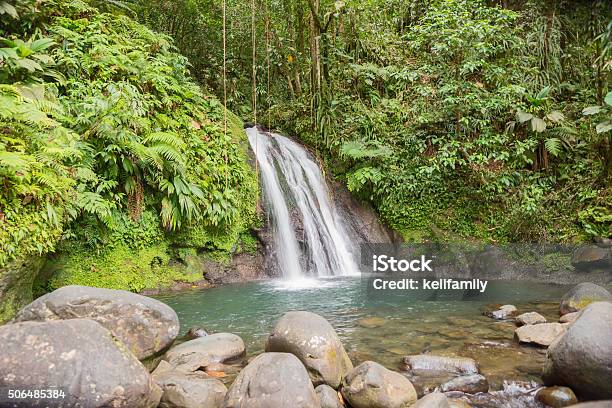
x=310, y=236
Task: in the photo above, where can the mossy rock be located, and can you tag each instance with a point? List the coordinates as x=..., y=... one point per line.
x=16, y=281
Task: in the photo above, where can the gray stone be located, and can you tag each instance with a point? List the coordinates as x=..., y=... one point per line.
x=433, y=400
x=556, y=397
x=146, y=326
x=195, y=332
x=328, y=397
x=424, y=363
x=314, y=341
x=469, y=384
x=582, y=358
x=581, y=296
x=542, y=334
x=272, y=380
x=530, y=318
x=504, y=312
x=590, y=257
x=195, y=354
x=188, y=390
x=81, y=358
x=370, y=385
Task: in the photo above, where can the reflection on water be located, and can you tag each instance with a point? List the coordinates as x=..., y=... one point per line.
x=381, y=327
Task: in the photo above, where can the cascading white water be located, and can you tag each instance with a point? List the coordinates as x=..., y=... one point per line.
x=294, y=185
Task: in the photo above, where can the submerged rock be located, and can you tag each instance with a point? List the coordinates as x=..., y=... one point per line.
x=469, y=384
x=581, y=295
x=146, y=326
x=370, y=385
x=314, y=341
x=197, y=354
x=433, y=400
x=556, y=397
x=79, y=357
x=423, y=363
x=188, y=390
x=272, y=380
x=542, y=334
x=530, y=318
x=328, y=397
x=582, y=358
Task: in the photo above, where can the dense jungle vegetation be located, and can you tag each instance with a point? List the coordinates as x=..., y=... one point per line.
x=487, y=119
x=455, y=118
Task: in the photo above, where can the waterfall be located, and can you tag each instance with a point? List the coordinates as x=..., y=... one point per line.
x=310, y=236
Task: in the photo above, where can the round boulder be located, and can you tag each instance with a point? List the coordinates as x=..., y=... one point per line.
x=146, y=326
x=590, y=257
x=433, y=400
x=556, y=397
x=581, y=295
x=195, y=354
x=314, y=341
x=582, y=358
x=188, y=390
x=328, y=397
x=78, y=357
x=370, y=385
x=272, y=380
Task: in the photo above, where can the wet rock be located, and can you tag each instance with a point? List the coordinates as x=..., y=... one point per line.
x=504, y=312
x=314, y=341
x=541, y=334
x=569, y=317
x=328, y=397
x=530, y=318
x=188, y=390
x=272, y=380
x=196, y=332
x=433, y=400
x=590, y=257
x=458, y=403
x=424, y=363
x=469, y=384
x=195, y=354
x=370, y=385
x=581, y=296
x=556, y=397
x=78, y=356
x=582, y=358
x=146, y=326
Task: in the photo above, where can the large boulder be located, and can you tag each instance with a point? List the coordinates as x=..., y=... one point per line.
x=581, y=295
x=188, y=390
x=272, y=380
x=433, y=400
x=314, y=341
x=590, y=257
x=370, y=385
x=80, y=358
x=146, y=326
x=542, y=334
x=328, y=397
x=582, y=358
x=196, y=354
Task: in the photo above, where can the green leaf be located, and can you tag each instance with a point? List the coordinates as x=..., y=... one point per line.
x=6, y=8
x=543, y=94
x=538, y=125
x=555, y=116
x=523, y=117
x=591, y=110
x=604, y=127
x=553, y=145
x=608, y=99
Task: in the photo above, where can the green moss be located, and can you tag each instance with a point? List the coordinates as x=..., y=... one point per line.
x=16, y=280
